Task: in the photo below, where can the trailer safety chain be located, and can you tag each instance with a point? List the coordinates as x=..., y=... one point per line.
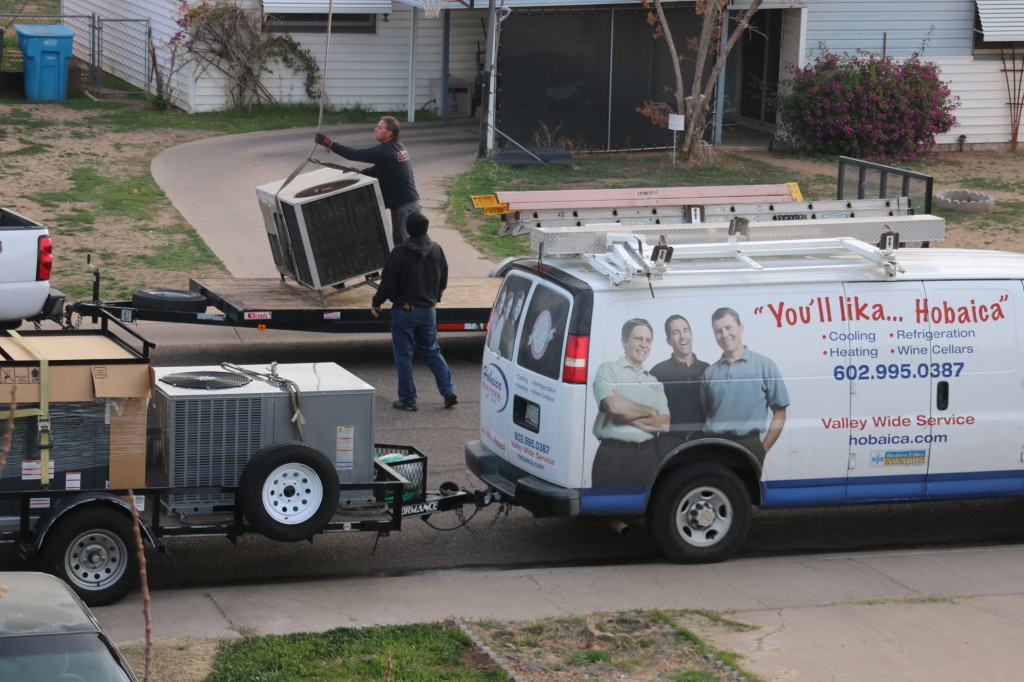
x=504, y=509
x=293, y=391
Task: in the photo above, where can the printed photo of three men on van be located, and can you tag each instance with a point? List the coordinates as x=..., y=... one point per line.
x=647, y=407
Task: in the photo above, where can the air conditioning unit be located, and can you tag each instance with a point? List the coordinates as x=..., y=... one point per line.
x=326, y=227
x=206, y=423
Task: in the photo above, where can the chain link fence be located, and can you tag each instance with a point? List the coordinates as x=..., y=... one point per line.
x=102, y=47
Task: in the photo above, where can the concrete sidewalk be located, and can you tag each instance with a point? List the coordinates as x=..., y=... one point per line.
x=886, y=616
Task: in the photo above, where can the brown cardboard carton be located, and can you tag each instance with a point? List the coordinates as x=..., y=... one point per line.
x=82, y=367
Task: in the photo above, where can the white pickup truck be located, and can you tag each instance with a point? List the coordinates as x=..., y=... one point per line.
x=26, y=258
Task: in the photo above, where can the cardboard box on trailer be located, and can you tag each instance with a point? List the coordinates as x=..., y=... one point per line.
x=97, y=390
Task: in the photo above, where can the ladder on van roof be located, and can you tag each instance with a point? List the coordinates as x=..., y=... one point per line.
x=522, y=211
x=621, y=262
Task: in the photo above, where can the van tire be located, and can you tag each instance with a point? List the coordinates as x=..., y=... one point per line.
x=289, y=491
x=169, y=300
x=700, y=513
x=93, y=550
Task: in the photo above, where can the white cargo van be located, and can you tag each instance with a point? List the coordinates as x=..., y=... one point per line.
x=777, y=374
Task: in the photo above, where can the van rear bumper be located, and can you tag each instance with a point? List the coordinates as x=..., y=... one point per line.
x=539, y=497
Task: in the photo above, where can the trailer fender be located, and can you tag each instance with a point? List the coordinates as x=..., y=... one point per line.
x=67, y=505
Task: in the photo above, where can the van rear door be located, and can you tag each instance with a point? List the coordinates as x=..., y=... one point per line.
x=526, y=409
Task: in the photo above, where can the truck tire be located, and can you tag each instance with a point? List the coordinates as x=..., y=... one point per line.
x=93, y=550
x=169, y=300
x=699, y=513
x=289, y=491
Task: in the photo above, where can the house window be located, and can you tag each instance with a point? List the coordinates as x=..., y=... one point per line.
x=317, y=23
x=984, y=47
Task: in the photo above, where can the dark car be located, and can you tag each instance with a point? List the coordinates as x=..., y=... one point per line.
x=48, y=634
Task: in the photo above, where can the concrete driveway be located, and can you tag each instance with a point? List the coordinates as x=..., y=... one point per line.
x=212, y=184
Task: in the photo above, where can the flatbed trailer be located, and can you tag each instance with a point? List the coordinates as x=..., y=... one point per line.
x=278, y=303
x=100, y=437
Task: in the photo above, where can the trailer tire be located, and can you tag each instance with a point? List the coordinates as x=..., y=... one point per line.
x=93, y=550
x=169, y=300
x=699, y=513
x=289, y=491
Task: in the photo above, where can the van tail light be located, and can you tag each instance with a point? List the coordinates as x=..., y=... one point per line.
x=576, y=350
x=44, y=262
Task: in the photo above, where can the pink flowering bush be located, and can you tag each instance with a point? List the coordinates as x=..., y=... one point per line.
x=865, y=106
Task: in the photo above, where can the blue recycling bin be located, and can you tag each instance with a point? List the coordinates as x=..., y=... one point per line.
x=46, y=49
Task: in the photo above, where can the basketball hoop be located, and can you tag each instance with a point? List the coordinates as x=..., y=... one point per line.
x=432, y=8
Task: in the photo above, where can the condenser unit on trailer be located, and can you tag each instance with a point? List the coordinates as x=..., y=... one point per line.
x=206, y=423
x=326, y=227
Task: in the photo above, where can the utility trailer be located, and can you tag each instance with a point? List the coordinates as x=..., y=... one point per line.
x=99, y=436
x=276, y=303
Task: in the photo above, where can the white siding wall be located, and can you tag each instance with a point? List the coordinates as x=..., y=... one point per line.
x=901, y=28
x=365, y=69
x=984, y=114
x=372, y=70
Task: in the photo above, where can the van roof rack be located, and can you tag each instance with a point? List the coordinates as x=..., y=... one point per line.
x=574, y=240
x=622, y=261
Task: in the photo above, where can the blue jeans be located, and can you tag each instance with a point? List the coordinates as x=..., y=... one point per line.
x=417, y=329
x=399, y=214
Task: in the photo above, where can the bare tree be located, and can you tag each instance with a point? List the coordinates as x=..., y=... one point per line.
x=697, y=105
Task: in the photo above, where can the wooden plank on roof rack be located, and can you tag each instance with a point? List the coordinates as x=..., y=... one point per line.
x=649, y=196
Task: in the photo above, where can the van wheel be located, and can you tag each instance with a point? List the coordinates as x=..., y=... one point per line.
x=700, y=514
x=93, y=551
x=169, y=300
x=289, y=491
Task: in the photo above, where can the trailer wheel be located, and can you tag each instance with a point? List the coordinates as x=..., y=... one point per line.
x=700, y=514
x=169, y=300
x=93, y=551
x=289, y=491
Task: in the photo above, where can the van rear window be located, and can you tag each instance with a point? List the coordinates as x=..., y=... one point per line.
x=543, y=332
x=506, y=315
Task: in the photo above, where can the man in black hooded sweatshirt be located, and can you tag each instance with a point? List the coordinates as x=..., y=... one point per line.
x=413, y=279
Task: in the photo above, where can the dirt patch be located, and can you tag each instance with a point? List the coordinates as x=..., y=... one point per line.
x=634, y=646
x=53, y=155
x=182, y=659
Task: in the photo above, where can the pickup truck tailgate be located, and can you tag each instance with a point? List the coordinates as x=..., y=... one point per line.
x=21, y=295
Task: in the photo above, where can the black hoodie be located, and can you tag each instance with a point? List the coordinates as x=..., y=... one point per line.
x=416, y=273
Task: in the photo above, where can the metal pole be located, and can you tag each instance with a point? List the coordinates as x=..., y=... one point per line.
x=611, y=78
x=411, y=104
x=442, y=106
x=485, y=95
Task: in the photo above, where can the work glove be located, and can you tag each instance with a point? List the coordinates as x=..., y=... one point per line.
x=324, y=140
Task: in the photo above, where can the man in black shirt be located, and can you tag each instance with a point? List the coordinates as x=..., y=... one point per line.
x=681, y=375
x=392, y=168
x=413, y=279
